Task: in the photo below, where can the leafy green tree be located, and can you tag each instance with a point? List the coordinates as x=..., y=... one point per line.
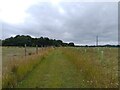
x=71, y=44
x=21, y=40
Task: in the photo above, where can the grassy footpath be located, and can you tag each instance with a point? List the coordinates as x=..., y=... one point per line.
x=16, y=70
x=55, y=71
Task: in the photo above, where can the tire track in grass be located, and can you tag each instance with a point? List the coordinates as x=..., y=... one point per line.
x=55, y=71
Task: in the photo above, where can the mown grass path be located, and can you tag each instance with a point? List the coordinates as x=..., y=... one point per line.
x=55, y=71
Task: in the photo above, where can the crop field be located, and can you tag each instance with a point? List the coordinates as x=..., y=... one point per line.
x=60, y=67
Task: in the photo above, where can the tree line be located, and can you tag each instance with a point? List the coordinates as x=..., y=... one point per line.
x=21, y=40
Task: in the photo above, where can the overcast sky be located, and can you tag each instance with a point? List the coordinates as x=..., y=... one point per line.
x=77, y=22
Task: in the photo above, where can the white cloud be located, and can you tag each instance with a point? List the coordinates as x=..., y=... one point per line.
x=14, y=11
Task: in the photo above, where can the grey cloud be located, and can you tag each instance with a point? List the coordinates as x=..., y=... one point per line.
x=77, y=22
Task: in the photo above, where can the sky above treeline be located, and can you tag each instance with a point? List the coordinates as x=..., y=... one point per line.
x=71, y=20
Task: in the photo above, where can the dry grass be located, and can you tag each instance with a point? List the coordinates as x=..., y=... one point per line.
x=0, y=67
x=15, y=70
x=99, y=66
x=10, y=53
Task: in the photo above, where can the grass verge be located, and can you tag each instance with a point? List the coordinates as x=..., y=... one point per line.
x=16, y=70
x=98, y=71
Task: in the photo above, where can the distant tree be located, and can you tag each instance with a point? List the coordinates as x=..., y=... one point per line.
x=8, y=42
x=71, y=44
x=21, y=40
x=0, y=42
x=64, y=44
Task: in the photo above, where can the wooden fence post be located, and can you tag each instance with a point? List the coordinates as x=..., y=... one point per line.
x=36, y=49
x=25, y=50
x=102, y=57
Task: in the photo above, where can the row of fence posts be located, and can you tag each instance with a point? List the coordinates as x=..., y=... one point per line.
x=26, y=50
x=102, y=60
x=99, y=52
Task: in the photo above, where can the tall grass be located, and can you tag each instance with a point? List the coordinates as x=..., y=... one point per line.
x=17, y=70
x=10, y=53
x=100, y=70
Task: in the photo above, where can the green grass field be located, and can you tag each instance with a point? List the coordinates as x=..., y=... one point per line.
x=62, y=68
